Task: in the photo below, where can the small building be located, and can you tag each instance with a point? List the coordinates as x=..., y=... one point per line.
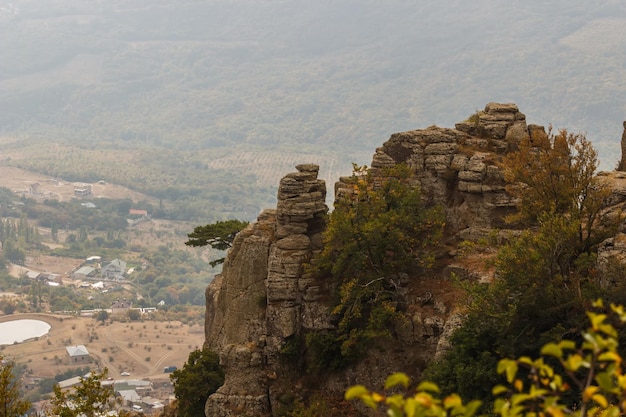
x=70, y=382
x=113, y=270
x=51, y=277
x=31, y=383
x=78, y=354
x=85, y=272
x=120, y=307
x=152, y=405
x=129, y=396
x=141, y=387
x=34, y=189
x=93, y=260
x=82, y=190
x=33, y=274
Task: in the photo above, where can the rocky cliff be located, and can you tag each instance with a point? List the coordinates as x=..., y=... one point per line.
x=265, y=296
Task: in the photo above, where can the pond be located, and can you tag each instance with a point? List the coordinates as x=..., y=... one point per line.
x=21, y=330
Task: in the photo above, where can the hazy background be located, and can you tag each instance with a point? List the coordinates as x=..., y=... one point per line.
x=206, y=104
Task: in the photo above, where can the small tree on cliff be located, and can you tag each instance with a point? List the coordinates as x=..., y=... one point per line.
x=538, y=292
x=555, y=175
x=218, y=235
x=200, y=377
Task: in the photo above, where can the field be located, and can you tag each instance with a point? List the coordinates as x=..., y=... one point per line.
x=142, y=349
x=19, y=180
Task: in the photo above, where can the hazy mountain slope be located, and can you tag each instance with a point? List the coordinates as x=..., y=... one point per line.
x=326, y=78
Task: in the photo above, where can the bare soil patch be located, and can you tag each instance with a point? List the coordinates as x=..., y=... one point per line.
x=142, y=349
x=47, y=264
x=19, y=181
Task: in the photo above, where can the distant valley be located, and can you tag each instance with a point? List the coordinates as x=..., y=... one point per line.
x=45, y=229
x=205, y=105
x=56, y=246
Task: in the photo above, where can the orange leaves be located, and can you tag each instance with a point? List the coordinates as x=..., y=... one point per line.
x=421, y=404
x=556, y=176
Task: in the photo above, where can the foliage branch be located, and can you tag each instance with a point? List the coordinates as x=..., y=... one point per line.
x=11, y=402
x=200, y=377
x=555, y=174
x=377, y=236
x=534, y=387
x=544, y=275
x=89, y=398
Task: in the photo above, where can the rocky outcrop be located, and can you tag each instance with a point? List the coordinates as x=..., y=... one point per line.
x=235, y=324
x=458, y=168
x=502, y=125
x=292, y=296
x=263, y=295
x=612, y=262
x=622, y=163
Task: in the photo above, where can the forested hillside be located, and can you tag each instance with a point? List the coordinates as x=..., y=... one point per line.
x=206, y=104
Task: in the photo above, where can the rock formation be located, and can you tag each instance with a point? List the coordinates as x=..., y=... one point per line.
x=264, y=295
x=457, y=167
x=622, y=162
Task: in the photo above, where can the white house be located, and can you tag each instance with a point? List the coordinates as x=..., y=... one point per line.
x=78, y=354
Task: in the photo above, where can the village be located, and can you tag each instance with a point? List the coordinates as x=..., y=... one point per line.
x=130, y=342
x=137, y=355
x=98, y=316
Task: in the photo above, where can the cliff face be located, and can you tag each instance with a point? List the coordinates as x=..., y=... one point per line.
x=264, y=295
x=456, y=167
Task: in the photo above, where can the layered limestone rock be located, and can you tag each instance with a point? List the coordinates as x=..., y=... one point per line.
x=611, y=260
x=501, y=124
x=458, y=168
x=263, y=296
x=235, y=324
x=622, y=162
x=292, y=296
